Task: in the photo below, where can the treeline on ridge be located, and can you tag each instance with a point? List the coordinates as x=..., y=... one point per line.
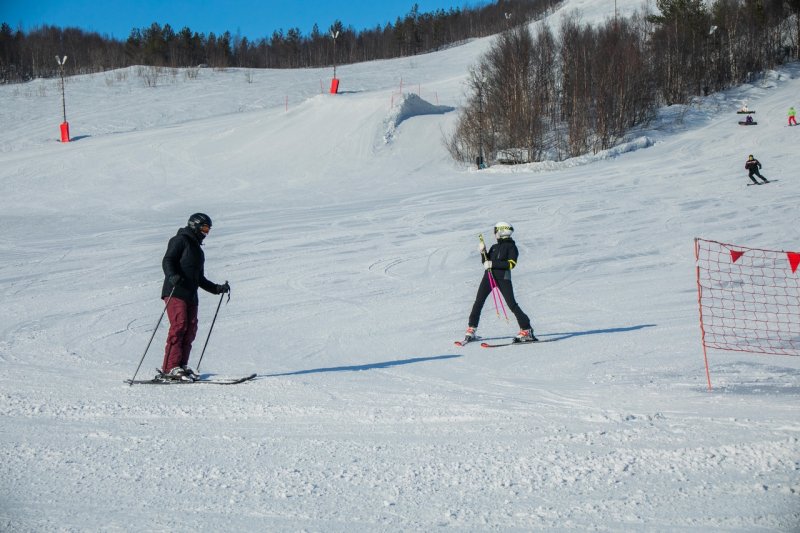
x=25, y=56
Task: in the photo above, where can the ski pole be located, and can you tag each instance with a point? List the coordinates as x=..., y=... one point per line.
x=499, y=295
x=212, y=326
x=493, y=286
x=492, y=283
x=153, y=335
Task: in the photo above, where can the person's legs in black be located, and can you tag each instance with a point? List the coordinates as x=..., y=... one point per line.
x=484, y=289
x=507, y=290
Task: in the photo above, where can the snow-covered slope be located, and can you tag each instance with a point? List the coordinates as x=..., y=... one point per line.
x=349, y=238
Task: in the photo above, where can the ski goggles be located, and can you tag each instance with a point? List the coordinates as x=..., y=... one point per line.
x=205, y=228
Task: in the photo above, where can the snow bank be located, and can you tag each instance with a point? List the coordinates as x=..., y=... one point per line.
x=408, y=106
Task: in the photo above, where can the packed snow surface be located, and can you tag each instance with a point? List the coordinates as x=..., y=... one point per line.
x=349, y=238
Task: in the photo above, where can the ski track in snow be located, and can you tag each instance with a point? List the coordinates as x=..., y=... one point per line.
x=349, y=238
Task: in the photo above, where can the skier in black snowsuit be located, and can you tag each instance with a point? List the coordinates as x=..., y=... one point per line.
x=499, y=261
x=752, y=165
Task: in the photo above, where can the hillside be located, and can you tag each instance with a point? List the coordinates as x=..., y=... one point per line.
x=349, y=238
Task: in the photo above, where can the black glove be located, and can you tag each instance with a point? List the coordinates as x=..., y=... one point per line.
x=224, y=288
x=175, y=279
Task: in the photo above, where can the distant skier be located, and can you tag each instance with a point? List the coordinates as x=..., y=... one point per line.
x=792, y=113
x=752, y=165
x=499, y=261
x=183, y=266
x=749, y=119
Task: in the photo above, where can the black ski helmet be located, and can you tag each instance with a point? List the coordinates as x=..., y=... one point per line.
x=197, y=221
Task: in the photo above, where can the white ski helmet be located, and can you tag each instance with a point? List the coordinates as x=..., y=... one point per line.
x=503, y=230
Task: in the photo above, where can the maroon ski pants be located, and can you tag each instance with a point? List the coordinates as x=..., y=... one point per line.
x=182, y=331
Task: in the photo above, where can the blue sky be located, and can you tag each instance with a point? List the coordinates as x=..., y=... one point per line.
x=252, y=18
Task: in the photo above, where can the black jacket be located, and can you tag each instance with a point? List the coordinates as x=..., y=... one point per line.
x=185, y=257
x=752, y=165
x=503, y=256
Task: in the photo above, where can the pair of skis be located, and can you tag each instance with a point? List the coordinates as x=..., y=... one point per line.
x=161, y=381
x=762, y=182
x=513, y=342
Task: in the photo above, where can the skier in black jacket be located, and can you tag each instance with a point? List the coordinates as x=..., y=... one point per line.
x=183, y=266
x=752, y=165
x=499, y=261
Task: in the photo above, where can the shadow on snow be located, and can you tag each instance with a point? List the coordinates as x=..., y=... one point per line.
x=569, y=335
x=370, y=366
x=414, y=360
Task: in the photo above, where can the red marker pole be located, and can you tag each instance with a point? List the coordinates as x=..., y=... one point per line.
x=334, y=81
x=65, y=124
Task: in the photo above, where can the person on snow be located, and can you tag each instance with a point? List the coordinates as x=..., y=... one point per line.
x=748, y=120
x=792, y=113
x=183, y=266
x=752, y=165
x=498, y=262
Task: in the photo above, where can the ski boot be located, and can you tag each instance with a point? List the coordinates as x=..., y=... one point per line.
x=191, y=374
x=177, y=374
x=525, y=335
